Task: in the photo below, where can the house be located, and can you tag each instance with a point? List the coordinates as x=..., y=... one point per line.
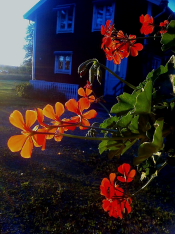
x=67, y=33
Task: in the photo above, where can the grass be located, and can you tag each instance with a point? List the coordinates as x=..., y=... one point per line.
x=59, y=193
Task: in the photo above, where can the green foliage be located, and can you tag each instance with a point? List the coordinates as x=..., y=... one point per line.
x=28, y=47
x=145, y=116
x=24, y=90
x=168, y=39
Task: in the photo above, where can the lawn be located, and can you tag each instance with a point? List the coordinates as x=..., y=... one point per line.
x=57, y=190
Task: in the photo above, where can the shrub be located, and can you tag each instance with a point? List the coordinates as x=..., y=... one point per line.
x=27, y=90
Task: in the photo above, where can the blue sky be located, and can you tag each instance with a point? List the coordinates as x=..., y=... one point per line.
x=13, y=29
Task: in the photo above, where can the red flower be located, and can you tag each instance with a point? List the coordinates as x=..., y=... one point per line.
x=118, y=207
x=119, y=46
x=147, y=24
x=164, y=26
x=78, y=108
x=88, y=85
x=116, y=202
x=107, y=29
x=132, y=47
x=108, y=186
x=128, y=174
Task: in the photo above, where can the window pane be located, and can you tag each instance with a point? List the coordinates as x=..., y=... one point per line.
x=63, y=19
x=99, y=15
x=117, y=69
x=109, y=11
x=61, y=62
x=67, y=63
x=70, y=18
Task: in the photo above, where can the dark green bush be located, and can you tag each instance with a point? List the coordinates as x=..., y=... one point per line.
x=27, y=91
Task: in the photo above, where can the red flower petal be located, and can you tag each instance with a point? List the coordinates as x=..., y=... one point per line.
x=124, y=168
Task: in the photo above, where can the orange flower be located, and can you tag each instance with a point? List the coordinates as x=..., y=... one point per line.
x=25, y=142
x=78, y=108
x=147, y=24
x=55, y=115
x=86, y=94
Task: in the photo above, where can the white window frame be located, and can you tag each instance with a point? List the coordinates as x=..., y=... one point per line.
x=66, y=8
x=64, y=54
x=104, y=4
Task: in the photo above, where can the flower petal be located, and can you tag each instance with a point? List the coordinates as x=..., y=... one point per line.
x=16, y=118
x=124, y=168
x=59, y=109
x=90, y=114
x=49, y=112
x=88, y=91
x=27, y=149
x=15, y=143
x=31, y=117
x=72, y=105
x=112, y=178
x=81, y=92
x=83, y=104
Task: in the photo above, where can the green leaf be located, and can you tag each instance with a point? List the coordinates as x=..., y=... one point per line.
x=108, y=123
x=124, y=120
x=147, y=149
x=144, y=124
x=108, y=144
x=116, y=152
x=128, y=145
x=154, y=74
x=134, y=125
x=168, y=39
x=158, y=137
x=143, y=100
x=125, y=103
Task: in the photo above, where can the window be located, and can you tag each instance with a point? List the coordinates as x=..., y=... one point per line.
x=101, y=14
x=63, y=62
x=65, y=18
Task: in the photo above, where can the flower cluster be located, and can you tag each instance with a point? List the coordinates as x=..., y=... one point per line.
x=38, y=135
x=117, y=202
x=117, y=45
x=148, y=25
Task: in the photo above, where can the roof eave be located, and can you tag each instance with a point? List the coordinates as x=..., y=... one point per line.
x=30, y=15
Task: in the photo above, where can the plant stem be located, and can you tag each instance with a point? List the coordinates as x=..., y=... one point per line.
x=105, y=109
x=152, y=177
x=136, y=136
x=114, y=74
x=103, y=138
